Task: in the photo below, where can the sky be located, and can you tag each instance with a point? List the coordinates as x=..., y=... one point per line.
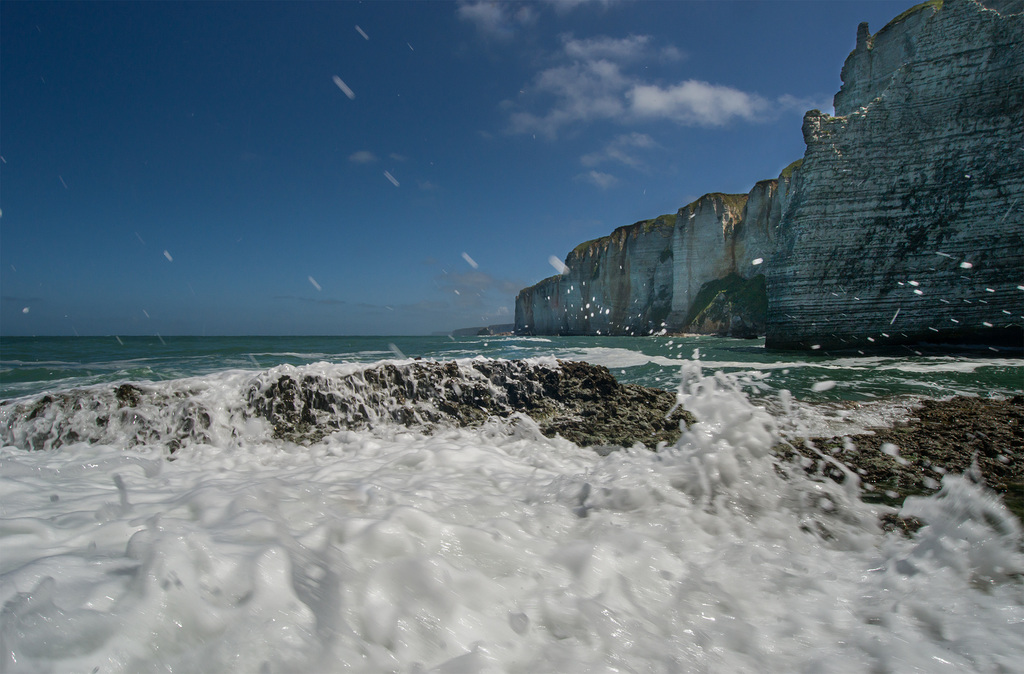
x=375, y=168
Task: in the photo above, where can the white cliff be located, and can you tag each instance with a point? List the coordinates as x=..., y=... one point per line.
x=645, y=277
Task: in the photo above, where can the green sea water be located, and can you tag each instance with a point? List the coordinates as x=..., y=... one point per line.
x=34, y=365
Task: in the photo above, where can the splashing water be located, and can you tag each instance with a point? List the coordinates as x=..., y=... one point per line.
x=488, y=549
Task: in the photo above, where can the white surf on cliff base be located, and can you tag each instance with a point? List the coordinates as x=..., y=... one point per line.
x=490, y=549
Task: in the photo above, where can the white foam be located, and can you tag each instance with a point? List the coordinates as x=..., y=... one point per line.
x=619, y=358
x=492, y=549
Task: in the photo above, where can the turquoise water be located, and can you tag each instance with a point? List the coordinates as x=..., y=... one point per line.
x=30, y=366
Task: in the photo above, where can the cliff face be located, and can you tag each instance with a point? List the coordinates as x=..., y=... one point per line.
x=645, y=277
x=906, y=219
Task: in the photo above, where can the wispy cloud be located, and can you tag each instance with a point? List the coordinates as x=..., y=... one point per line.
x=621, y=149
x=602, y=180
x=473, y=285
x=496, y=19
x=582, y=91
x=603, y=47
x=802, y=105
x=311, y=300
x=564, y=6
x=597, y=79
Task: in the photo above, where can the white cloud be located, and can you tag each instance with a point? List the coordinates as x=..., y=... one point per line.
x=695, y=103
x=583, y=91
x=602, y=47
x=362, y=157
x=489, y=17
x=496, y=19
x=602, y=180
x=475, y=288
x=563, y=6
x=596, y=79
x=672, y=53
x=802, y=105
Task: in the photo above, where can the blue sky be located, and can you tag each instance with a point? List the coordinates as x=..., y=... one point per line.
x=371, y=168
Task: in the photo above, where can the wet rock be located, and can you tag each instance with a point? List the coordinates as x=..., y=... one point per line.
x=127, y=414
x=581, y=402
x=944, y=437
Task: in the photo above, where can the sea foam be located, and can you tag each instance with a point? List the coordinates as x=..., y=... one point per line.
x=489, y=549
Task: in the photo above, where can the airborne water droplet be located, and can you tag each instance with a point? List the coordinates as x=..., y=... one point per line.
x=344, y=87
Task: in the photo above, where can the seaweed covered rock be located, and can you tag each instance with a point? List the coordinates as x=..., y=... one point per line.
x=579, y=401
x=981, y=437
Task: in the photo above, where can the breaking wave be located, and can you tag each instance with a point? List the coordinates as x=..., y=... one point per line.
x=431, y=546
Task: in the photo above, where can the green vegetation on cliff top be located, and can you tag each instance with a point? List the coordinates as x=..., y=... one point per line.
x=788, y=171
x=647, y=226
x=734, y=202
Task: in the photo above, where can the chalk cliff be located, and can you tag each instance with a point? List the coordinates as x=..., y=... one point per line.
x=903, y=223
x=906, y=220
x=646, y=277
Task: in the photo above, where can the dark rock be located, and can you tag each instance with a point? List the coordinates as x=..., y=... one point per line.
x=127, y=415
x=945, y=437
x=128, y=395
x=581, y=402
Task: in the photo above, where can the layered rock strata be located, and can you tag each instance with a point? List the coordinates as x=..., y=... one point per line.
x=646, y=277
x=906, y=219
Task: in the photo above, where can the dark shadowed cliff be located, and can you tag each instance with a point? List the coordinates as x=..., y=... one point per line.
x=906, y=219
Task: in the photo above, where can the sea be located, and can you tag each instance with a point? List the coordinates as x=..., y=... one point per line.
x=488, y=549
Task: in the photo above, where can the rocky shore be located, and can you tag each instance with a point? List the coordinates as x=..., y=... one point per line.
x=585, y=404
x=979, y=436
x=580, y=402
